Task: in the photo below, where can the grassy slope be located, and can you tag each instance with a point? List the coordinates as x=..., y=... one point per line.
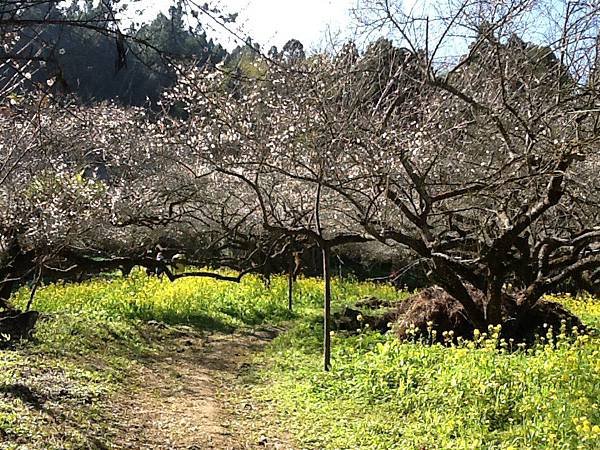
x=380, y=394
x=54, y=392
x=385, y=395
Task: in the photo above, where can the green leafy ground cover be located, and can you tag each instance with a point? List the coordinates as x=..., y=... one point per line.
x=54, y=390
x=91, y=336
x=381, y=394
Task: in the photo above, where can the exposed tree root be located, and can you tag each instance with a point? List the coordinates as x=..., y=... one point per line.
x=431, y=312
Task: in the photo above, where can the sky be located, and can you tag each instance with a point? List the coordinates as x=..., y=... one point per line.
x=274, y=22
x=316, y=23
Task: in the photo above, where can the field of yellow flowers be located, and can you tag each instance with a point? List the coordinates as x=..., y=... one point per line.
x=383, y=394
x=380, y=394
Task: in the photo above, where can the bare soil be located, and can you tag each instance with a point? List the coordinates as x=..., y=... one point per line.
x=182, y=398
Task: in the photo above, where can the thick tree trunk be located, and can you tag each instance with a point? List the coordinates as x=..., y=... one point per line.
x=585, y=282
x=493, y=305
x=326, y=309
x=6, y=289
x=18, y=266
x=452, y=284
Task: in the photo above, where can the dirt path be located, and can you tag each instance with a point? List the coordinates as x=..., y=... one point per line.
x=177, y=399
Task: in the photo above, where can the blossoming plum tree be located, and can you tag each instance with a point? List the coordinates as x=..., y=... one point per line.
x=482, y=165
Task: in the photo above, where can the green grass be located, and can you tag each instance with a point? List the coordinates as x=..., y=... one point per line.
x=383, y=394
x=82, y=318
x=91, y=336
